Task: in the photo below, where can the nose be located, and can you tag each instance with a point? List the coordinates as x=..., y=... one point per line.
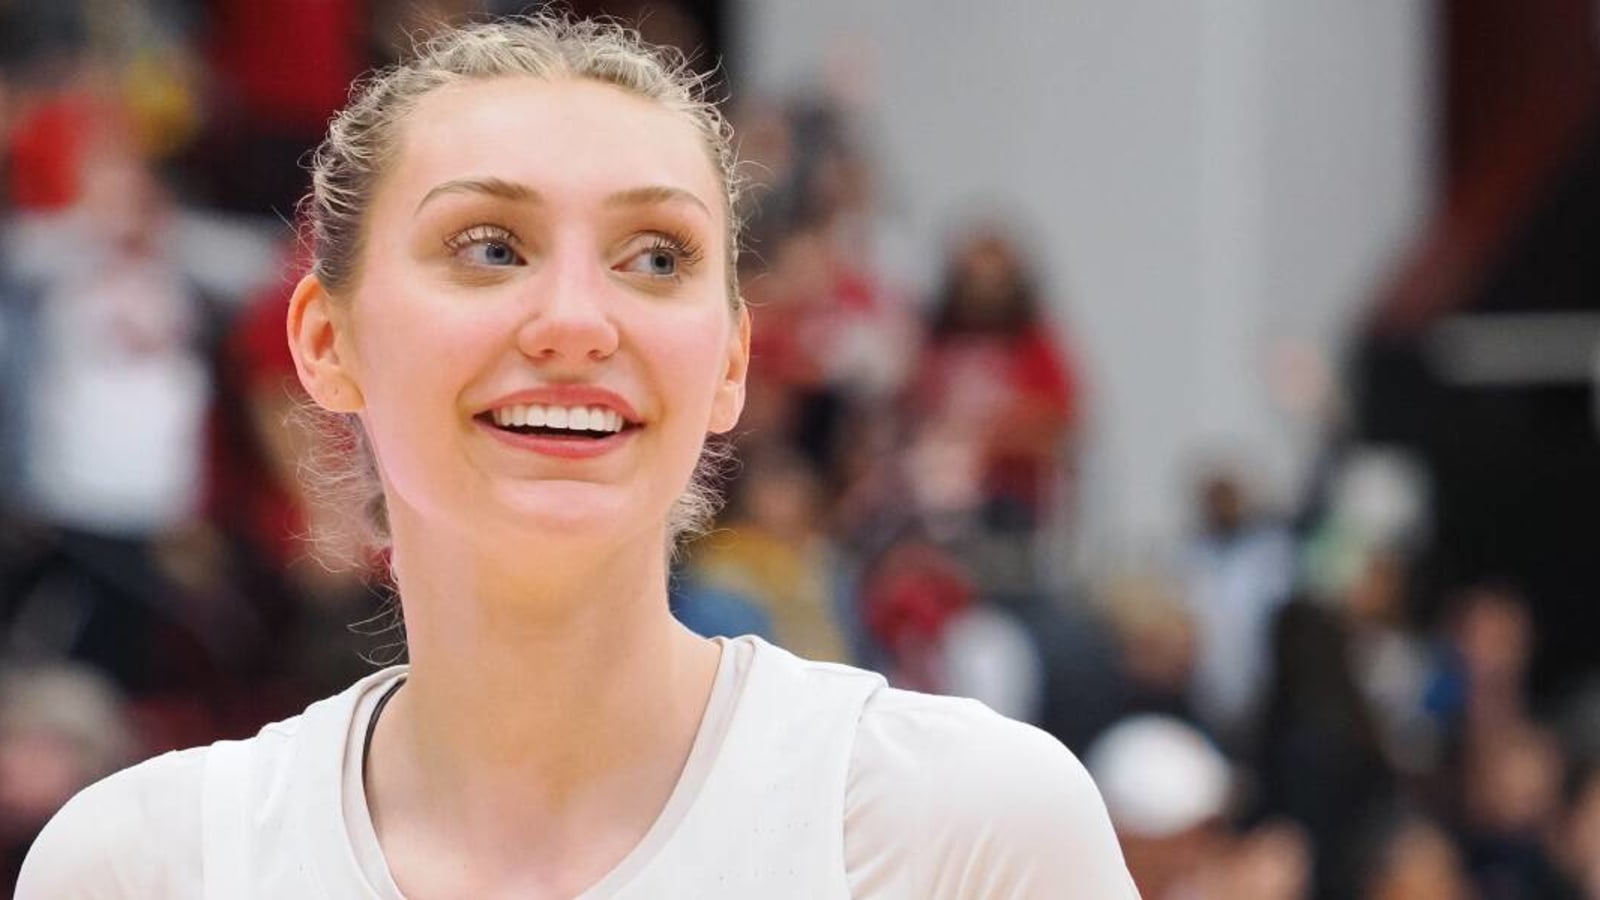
x=568, y=318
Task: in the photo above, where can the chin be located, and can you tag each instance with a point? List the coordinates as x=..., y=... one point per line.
x=578, y=514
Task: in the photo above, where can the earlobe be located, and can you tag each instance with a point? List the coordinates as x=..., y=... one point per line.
x=313, y=333
x=730, y=393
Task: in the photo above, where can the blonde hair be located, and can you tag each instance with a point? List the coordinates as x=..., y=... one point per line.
x=364, y=138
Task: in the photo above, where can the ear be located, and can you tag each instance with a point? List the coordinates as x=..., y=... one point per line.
x=320, y=356
x=729, y=401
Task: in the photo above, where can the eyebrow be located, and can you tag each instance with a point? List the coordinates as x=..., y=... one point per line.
x=649, y=195
x=654, y=195
x=493, y=187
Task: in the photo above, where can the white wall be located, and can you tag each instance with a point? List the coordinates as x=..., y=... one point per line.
x=1200, y=180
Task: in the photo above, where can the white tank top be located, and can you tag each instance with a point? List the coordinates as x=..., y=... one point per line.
x=806, y=780
x=780, y=743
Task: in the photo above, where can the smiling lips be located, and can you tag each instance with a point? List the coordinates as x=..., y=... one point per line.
x=571, y=422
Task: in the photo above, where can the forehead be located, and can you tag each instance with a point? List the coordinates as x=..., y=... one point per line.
x=570, y=139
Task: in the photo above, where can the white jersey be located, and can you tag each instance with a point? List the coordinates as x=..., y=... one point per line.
x=806, y=781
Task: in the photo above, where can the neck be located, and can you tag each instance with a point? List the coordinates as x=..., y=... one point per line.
x=545, y=698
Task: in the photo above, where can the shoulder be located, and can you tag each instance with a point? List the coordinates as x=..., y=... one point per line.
x=140, y=832
x=958, y=758
x=133, y=834
x=962, y=802
x=781, y=676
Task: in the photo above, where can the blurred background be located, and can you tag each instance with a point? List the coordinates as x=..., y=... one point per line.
x=1212, y=384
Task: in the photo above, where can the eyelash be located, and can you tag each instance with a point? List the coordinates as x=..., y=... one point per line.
x=687, y=250
x=480, y=234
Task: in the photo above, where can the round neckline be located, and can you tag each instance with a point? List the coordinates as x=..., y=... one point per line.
x=366, y=863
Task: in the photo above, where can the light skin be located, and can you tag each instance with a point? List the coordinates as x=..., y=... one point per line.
x=530, y=235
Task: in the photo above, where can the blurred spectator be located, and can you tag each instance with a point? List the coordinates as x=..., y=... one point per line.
x=121, y=358
x=1238, y=569
x=80, y=62
x=1083, y=689
x=767, y=149
x=1397, y=670
x=1577, y=843
x=811, y=169
x=1157, y=638
x=1320, y=758
x=1367, y=500
x=1169, y=791
x=908, y=596
x=994, y=389
x=1418, y=861
x=1493, y=639
x=823, y=341
x=46, y=146
x=990, y=656
x=1161, y=778
x=935, y=631
x=116, y=397
x=265, y=114
x=773, y=551
x=1512, y=799
x=61, y=728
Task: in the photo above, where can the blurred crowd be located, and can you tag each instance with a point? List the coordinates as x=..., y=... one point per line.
x=1268, y=710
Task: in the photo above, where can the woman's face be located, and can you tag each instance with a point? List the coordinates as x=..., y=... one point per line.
x=540, y=333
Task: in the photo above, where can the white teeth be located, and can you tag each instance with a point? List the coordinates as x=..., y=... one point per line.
x=572, y=418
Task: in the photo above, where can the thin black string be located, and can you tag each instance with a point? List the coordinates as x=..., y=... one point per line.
x=372, y=723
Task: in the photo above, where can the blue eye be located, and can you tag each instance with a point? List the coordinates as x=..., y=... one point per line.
x=491, y=253
x=489, y=246
x=660, y=261
x=666, y=257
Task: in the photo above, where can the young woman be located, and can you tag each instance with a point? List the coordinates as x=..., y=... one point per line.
x=524, y=295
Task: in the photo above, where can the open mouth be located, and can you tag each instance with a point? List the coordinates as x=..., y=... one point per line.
x=575, y=422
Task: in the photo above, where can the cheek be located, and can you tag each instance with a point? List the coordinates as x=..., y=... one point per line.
x=688, y=357
x=415, y=355
x=411, y=338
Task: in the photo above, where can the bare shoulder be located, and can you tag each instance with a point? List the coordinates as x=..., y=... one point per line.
x=951, y=797
x=133, y=834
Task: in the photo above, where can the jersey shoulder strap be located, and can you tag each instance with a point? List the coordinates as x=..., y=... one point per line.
x=768, y=821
